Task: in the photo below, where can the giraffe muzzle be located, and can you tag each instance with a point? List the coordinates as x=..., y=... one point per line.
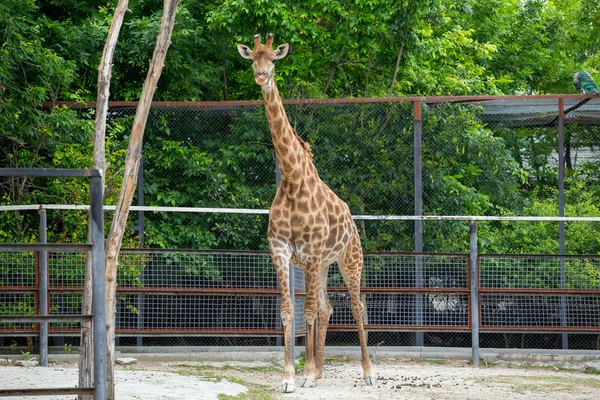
x=261, y=77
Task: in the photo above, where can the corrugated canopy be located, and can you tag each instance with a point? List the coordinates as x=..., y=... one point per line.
x=540, y=112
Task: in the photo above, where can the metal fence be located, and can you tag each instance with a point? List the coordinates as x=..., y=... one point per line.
x=403, y=156
x=460, y=156
x=200, y=296
x=16, y=311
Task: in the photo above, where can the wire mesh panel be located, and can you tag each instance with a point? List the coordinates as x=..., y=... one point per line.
x=299, y=300
x=197, y=315
x=17, y=304
x=397, y=270
x=66, y=276
x=540, y=272
x=66, y=269
x=18, y=269
x=216, y=292
x=65, y=304
x=440, y=295
x=197, y=269
x=18, y=273
x=542, y=292
x=398, y=311
x=542, y=312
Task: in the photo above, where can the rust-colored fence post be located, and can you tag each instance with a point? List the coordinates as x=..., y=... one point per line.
x=43, y=288
x=418, y=200
x=561, y=213
x=474, y=294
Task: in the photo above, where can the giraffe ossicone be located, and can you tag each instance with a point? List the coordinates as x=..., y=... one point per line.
x=309, y=226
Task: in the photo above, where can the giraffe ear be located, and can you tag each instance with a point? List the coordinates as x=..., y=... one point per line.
x=245, y=51
x=281, y=51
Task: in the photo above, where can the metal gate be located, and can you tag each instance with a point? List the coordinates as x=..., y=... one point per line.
x=96, y=250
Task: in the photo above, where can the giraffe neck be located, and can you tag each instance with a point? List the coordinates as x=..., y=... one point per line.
x=291, y=156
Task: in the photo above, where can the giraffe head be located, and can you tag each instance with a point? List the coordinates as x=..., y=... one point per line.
x=263, y=58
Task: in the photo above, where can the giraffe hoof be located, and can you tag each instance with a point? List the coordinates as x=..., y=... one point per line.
x=368, y=380
x=309, y=383
x=287, y=387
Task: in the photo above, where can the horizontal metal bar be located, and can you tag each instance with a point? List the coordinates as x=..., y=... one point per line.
x=199, y=291
x=199, y=332
x=44, y=318
x=400, y=328
x=331, y=328
x=537, y=329
x=18, y=247
x=225, y=104
x=541, y=256
x=561, y=292
x=414, y=254
x=153, y=332
x=269, y=292
x=404, y=290
x=45, y=391
x=8, y=289
x=245, y=332
x=274, y=292
x=50, y=172
x=472, y=218
x=266, y=253
x=195, y=251
x=252, y=211
x=252, y=291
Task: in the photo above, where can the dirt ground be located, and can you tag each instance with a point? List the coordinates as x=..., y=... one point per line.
x=342, y=379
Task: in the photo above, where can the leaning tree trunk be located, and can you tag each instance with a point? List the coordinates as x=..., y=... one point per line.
x=396, y=68
x=86, y=355
x=132, y=163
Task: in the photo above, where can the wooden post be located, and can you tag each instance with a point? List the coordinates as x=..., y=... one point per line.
x=86, y=353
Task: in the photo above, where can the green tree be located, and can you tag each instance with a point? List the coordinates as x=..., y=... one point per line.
x=30, y=73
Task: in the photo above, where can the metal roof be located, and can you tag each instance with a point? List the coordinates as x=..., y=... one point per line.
x=540, y=112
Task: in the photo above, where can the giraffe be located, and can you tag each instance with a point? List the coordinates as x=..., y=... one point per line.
x=309, y=226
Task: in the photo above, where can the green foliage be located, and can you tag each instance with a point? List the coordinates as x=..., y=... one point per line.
x=460, y=164
x=18, y=305
x=356, y=173
x=340, y=49
x=542, y=237
x=50, y=51
x=230, y=172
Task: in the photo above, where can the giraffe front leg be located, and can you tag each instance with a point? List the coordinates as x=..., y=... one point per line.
x=288, y=385
x=281, y=262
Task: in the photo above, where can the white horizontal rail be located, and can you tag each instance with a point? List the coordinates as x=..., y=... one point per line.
x=266, y=211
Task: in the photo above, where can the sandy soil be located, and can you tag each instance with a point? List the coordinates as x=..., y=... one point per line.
x=396, y=379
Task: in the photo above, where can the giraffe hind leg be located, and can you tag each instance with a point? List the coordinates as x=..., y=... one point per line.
x=311, y=274
x=351, y=268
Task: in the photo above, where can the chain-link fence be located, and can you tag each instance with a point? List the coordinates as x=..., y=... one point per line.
x=478, y=157
x=469, y=156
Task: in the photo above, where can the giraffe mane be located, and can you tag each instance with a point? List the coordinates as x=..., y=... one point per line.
x=305, y=146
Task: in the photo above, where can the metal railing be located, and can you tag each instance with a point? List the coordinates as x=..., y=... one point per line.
x=95, y=249
x=182, y=293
